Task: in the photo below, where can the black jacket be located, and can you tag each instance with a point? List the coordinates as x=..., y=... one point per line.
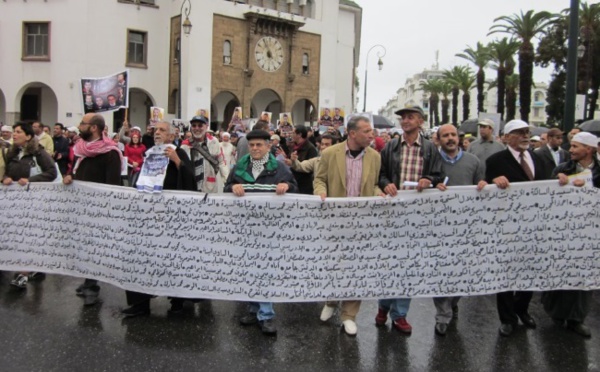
x=391, y=159
x=503, y=163
x=548, y=160
x=570, y=167
x=305, y=180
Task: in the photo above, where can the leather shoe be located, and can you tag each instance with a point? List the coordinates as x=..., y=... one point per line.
x=327, y=313
x=455, y=312
x=249, y=319
x=381, y=317
x=402, y=325
x=441, y=328
x=506, y=329
x=136, y=310
x=579, y=328
x=349, y=327
x=527, y=320
x=267, y=327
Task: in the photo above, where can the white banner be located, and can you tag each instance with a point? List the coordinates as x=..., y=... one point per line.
x=533, y=236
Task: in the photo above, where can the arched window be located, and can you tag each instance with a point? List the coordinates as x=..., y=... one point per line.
x=305, y=66
x=227, y=52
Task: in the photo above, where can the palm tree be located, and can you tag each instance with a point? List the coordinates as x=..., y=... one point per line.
x=589, y=20
x=512, y=83
x=502, y=52
x=432, y=87
x=524, y=27
x=467, y=79
x=445, y=90
x=480, y=57
x=452, y=77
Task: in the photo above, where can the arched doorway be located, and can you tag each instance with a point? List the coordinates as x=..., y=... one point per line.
x=304, y=112
x=138, y=113
x=266, y=100
x=2, y=108
x=222, y=107
x=37, y=101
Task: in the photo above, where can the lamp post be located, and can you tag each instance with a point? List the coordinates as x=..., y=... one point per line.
x=186, y=8
x=587, y=38
x=571, y=89
x=379, y=63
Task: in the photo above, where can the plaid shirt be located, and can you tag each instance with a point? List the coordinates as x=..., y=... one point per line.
x=411, y=166
x=353, y=173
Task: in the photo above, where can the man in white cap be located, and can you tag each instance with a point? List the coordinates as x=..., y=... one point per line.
x=486, y=145
x=6, y=133
x=570, y=307
x=515, y=164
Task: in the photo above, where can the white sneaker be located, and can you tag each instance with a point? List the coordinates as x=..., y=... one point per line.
x=350, y=327
x=327, y=313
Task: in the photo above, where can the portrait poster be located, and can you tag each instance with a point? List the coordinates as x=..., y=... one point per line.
x=286, y=125
x=338, y=117
x=237, y=125
x=154, y=170
x=203, y=112
x=181, y=125
x=157, y=114
x=325, y=118
x=266, y=116
x=107, y=93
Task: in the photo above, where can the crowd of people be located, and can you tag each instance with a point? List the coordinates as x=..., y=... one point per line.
x=362, y=163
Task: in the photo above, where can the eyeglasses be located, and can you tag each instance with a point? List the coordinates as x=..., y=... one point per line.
x=520, y=132
x=198, y=125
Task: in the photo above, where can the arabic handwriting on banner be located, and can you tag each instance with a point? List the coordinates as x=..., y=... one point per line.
x=107, y=93
x=535, y=236
x=154, y=170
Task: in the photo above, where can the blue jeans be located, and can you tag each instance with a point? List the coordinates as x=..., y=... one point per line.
x=263, y=310
x=398, y=307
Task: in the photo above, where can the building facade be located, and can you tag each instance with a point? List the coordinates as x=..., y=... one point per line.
x=263, y=55
x=411, y=94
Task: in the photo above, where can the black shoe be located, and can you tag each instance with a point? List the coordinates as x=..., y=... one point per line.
x=268, y=327
x=455, y=312
x=506, y=329
x=79, y=291
x=36, y=276
x=136, y=310
x=176, y=308
x=527, y=320
x=249, y=319
x=441, y=328
x=90, y=300
x=579, y=328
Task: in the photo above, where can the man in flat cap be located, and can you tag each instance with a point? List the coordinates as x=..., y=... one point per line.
x=410, y=158
x=259, y=171
x=486, y=145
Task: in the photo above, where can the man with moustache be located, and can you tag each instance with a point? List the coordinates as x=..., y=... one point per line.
x=97, y=159
x=410, y=158
x=461, y=168
x=517, y=163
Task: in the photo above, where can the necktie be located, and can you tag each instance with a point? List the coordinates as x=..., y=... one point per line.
x=525, y=167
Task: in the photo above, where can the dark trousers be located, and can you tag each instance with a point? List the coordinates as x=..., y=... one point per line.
x=143, y=299
x=512, y=303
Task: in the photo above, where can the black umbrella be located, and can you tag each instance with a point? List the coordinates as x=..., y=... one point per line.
x=469, y=126
x=381, y=122
x=537, y=131
x=592, y=126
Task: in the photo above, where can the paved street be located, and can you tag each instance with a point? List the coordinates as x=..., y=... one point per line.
x=46, y=328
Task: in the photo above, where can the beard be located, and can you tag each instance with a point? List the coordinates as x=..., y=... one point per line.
x=86, y=136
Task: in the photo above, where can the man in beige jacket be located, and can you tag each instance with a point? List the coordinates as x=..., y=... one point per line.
x=349, y=169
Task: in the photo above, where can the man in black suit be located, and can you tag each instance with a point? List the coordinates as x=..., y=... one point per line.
x=552, y=154
x=515, y=164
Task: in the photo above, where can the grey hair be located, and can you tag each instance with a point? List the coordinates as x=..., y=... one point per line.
x=171, y=127
x=353, y=122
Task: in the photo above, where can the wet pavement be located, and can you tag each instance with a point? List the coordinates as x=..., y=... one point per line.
x=46, y=328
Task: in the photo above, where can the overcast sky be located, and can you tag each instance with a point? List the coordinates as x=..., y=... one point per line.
x=412, y=31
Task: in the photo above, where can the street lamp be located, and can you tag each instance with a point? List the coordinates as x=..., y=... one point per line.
x=587, y=38
x=186, y=8
x=380, y=55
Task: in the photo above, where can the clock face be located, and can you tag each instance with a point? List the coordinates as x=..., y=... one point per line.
x=269, y=54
